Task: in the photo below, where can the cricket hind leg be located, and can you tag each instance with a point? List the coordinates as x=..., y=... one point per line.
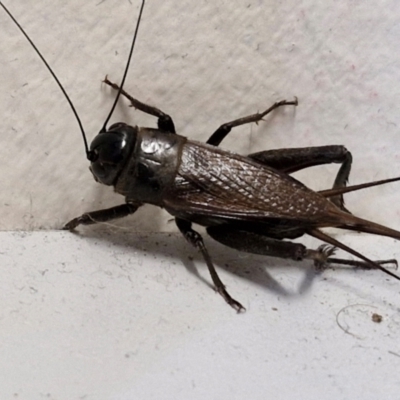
x=219, y=135
x=105, y=215
x=369, y=263
x=195, y=239
x=291, y=160
x=256, y=243
x=164, y=121
x=295, y=159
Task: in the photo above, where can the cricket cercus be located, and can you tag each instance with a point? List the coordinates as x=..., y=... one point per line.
x=250, y=203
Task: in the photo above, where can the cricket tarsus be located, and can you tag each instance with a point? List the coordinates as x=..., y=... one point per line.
x=218, y=136
x=195, y=239
x=328, y=239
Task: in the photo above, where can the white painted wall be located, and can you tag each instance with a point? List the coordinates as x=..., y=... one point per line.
x=204, y=63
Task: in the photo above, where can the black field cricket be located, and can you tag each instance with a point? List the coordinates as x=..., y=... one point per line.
x=248, y=202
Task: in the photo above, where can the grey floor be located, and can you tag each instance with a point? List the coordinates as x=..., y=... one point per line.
x=112, y=315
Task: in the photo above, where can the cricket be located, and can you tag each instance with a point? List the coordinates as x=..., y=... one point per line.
x=250, y=203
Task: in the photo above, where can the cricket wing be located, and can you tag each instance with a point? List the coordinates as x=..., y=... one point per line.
x=214, y=183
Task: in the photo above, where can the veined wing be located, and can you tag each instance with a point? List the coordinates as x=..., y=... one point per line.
x=213, y=182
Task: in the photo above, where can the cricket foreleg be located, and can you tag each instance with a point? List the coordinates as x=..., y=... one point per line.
x=256, y=243
x=292, y=160
x=164, y=121
x=196, y=240
x=219, y=135
x=102, y=215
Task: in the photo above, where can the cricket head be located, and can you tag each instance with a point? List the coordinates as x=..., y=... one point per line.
x=111, y=147
x=109, y=152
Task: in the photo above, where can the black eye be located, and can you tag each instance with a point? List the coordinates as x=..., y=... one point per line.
x=110, y=150
x=99, y=170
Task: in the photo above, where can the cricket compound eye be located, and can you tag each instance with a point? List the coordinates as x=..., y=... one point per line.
x=110, y=151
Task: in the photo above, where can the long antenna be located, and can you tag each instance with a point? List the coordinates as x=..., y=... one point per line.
x=89, y=154
x=54, y=76
x=104, y=128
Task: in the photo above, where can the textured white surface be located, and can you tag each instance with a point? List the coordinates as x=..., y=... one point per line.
x=113, y=316
x=122, y=316
x=205, y=63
